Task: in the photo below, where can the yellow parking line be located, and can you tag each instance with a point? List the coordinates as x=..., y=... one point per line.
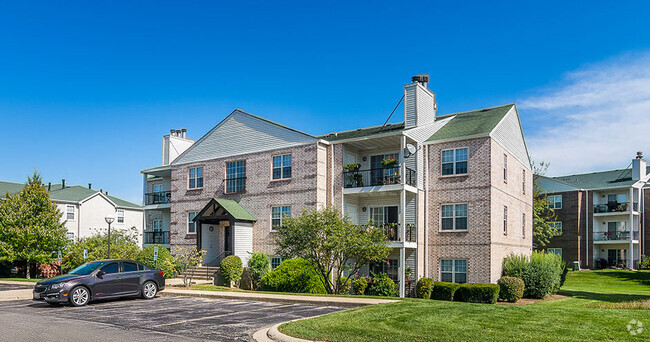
x=221, y=315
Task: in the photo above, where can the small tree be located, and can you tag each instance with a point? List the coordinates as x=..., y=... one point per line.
x=186, y=258
x=332, y=243
x=258, y=266
x=124, y=245
x=30, y=230
x=543, y=231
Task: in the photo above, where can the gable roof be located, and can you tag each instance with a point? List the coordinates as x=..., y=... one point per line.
x=608, y=179
x=233, y=208
x=10, y=188
x=471, y=123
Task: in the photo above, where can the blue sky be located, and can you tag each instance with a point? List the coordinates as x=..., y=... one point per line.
x=88, y=88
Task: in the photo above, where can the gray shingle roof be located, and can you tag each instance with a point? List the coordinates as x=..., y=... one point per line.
x=609, y=179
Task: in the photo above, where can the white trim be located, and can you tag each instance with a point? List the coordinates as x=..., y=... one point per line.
x=453, y=269
x=453, y=230
x=196, y=178
x=281, y=167
x=454, y=162
x=271, y=215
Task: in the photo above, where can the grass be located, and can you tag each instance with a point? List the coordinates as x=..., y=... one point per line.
x=20, y=279
x=579, y=317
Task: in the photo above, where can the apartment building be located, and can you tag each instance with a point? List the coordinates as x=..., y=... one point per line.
x=601, y=216
x=84, y=209
x=453, y=192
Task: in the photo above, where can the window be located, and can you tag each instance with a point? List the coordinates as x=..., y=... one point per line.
x=523, y=181
x=70, y=212
x=191, y=225
x=120, y=216
x=554, y=201
x=196, y=178
x=282, y=167
x=110, y=268
x=275, y=262
x=505, y=168
x=620, y=198
x=557, y=251
x=454, y=162
x=505, y=220
x=236, y=176
x=558, y=227
x=277, y=214
x=70, y=236
x=453, y=270
x=129, y=267
x=157, y=188
x=454, y=216
x=523, y=224
x=157, y=225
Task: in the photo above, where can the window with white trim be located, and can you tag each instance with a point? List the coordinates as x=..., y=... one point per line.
x=70, y=236
x=557, y=251
x=120, y=216
x=454, y=162
x=453, y=270
x=70, y=212
x=505, y=168
x=505, y=220
x=157, y=225
x=278, y=214
x=282, y=166
x=275, y=262
x=235, y=176
x=453, y=216
x=558, y=227
x=195, y=178
x=523, y=224
x=554, y=201
x=191, y=225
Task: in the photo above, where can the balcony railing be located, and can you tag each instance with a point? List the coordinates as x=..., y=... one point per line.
x=378, y=177
x=156, y=238
x=392, y=231
x=612, y=207
x=160, y=197
x=611, y=236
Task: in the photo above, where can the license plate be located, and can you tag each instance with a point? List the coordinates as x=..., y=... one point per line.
x=37, y=296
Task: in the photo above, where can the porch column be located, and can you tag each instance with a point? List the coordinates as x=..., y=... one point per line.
x=198, y=226
x=402, y=220
x=630, y=251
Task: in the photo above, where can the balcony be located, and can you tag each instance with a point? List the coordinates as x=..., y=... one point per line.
x=378, y=177
x=612, y=236
x=392, y=231
x=155, y=198
x=156, y=238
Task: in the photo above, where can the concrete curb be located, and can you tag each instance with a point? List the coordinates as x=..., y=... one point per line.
x=12, y=282
x=273, y=334
x=15, y=295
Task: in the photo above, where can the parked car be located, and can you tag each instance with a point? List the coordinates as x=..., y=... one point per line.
x=101, y=279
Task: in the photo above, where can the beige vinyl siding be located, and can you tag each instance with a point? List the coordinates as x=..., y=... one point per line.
x=508, y=134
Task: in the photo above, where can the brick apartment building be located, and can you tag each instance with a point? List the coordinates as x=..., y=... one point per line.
x=453, y=192
x=601, y=216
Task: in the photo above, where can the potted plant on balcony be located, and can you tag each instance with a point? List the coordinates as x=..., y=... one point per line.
x=389, y=162
x=353, y=176
x=352, y=167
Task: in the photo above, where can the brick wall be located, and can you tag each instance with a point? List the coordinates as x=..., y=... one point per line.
x=572, y=227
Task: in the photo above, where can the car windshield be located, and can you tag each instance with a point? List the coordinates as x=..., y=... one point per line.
x=88, y=268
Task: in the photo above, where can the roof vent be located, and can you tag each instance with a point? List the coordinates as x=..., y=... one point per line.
x=422, y=78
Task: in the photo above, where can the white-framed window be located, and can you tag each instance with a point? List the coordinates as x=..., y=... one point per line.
x=275, y=262
x=558, y=227
x=454, y=161
x=505, y=168
x=557, y=251
x=278, y=214
x=157, y=225
x=523, y=181
x=453, y=217
x=281, y=166
x=70, y=236
x=505, y=220
x=191, y=225
x=120, y=216
x=523, y=224
x=236, y=176
x=453, y=270
x=70, y=212
x=554, y=201
x=195, y=178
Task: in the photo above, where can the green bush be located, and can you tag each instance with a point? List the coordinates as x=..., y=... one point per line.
x=382, y=285
x=344, y=286
x=294, y=275
x=443, y=290
x=231, y=269
x=359, y=286
x=645, y=262
x=124, y=245
x=565, y=271
x=512, y=289
x=165, y=261
x=479, y=293
x=541, y=272
x=424, y=287
x=258, y=265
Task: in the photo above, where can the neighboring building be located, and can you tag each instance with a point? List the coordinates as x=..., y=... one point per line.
x=600, y=216
x=465, y=177
x=84, y=209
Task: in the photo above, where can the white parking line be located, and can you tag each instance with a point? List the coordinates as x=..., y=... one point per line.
x=221, y=315
x=145, y=312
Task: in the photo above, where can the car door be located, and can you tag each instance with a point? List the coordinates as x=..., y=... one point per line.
x=131, y=277
x=108, y=284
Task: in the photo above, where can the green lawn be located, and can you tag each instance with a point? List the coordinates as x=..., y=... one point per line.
x=20, y=279
x=570, y=319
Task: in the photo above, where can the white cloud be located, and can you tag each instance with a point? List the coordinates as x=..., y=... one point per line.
x=596, y=118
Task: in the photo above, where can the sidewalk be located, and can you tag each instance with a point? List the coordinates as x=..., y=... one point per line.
x=17, y=294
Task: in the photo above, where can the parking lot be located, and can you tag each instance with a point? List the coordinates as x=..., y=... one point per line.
x=175, y=317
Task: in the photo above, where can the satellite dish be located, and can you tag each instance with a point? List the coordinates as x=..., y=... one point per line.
x=410, y=150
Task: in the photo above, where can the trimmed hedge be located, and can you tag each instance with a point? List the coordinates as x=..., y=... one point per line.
x=444, y=291
x=359, y=286
x=231, y=269
x=165, y=261
x=512, y=289
x=479, y=293
x=424, y=287
x=294, y=275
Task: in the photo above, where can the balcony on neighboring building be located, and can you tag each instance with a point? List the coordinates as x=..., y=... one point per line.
x=156, y=238
x=615, y=236
x=614, y=207
x=158, y=198
x=378, y=177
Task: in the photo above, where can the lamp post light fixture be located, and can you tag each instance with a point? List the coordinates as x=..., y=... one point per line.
x=109, y=219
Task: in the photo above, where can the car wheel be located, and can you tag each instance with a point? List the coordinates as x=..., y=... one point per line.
x=149, y=290
x=79, y=296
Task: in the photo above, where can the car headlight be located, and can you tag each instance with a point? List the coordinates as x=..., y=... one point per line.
x=57, y=286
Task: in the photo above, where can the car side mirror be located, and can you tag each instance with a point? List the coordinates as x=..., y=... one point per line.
x=100, y=273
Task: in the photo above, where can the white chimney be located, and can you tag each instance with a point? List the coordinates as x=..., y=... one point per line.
x=173, y=144
x=419, y=102
x=638, y=167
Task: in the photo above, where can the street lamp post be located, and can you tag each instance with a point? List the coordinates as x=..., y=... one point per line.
x=109, y=219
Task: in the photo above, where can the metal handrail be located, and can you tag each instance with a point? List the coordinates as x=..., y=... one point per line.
x=158, y=197
x=378, y=177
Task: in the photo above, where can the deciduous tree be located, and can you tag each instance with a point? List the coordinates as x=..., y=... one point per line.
x=543, y=231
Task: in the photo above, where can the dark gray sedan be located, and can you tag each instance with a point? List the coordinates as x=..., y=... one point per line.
x=101, y=279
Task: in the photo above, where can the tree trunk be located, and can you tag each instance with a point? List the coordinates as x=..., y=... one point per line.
x=27, y=270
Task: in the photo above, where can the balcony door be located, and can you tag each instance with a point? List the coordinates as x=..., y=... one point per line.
x=380, y=174
x=387, y=217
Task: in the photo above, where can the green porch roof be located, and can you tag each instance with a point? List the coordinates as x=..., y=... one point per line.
x=235, y=209
x=471, y=123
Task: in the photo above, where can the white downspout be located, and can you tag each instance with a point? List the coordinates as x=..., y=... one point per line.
x=402, y=230
x=588, y=209
x=426, y=210
x=630, y=253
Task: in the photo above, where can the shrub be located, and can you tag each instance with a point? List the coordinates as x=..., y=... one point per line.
x=344, y=285
x=294, y=275
x=443, y=290
x=479, y=293
x=512, y=289
x=258, y=265
x=565, y=271
x=541, y=272
x=231, y=269
x=165, y=261
x=382, y=285
x=645, y=262
x=359, y=286
x=424, y=287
